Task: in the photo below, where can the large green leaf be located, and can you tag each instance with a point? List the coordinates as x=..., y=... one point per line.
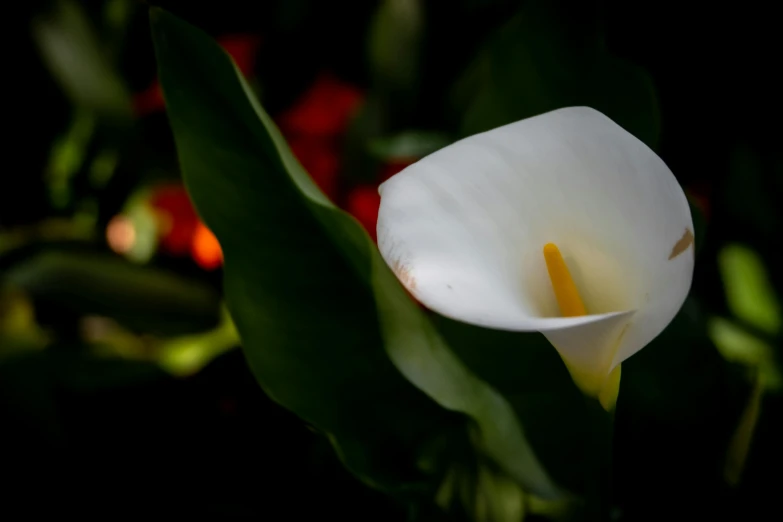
x=527, y=370
x=327, y=329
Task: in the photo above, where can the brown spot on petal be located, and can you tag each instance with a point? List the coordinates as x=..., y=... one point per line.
x=403, y=273
x=682, y=244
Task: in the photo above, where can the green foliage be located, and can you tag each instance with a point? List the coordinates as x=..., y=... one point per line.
x=74, y=53
x=86, y=283
x=409, y=146
x=293, y=259
x=126, y=371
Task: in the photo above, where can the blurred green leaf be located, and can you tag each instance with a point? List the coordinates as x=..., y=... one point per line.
x=187, y=355
x=743, y=437
x=539, y=62
x=180, y=356
x=102, y=167
x=19, y=331
x=327, y=329
x=76, y=57
x=369, y=124
x=52, y=230
x=395, y=43
x=410, y=146
x=117, y=15
x=498, y=497
x=740, y=346
x=142, y=298
x=749, y=292
x=67, y=157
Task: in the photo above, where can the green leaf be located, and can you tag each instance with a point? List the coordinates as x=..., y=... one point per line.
x=395, y=42
x=327, y=329
x=77, y=58
x=738, y=345
x=749, y=292
x=68, y=155
x=187, y=355
x=411, y=145
x=741, y=442
x=529, y=373
x=142, y=298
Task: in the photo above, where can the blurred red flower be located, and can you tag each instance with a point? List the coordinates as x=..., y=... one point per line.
x=178, y=218
x=392, y=167
x=700, y=195
x=315, y=127
x=324, y=110
x=363, y=201
x=181, y=231
x=320, y=159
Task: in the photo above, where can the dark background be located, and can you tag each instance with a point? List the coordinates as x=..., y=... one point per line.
x=139, y=440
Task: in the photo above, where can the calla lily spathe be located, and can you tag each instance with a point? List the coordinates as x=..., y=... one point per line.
x=464, y=230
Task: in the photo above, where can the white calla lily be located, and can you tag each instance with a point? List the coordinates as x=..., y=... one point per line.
x=464, y=230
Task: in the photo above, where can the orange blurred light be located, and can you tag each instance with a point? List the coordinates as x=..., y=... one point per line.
x=177, y=219
x=121, y=234
x=205, y=248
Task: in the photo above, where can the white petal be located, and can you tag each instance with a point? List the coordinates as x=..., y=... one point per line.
x=464, y=230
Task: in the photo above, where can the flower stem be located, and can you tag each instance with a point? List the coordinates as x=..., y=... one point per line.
x=598, y=466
